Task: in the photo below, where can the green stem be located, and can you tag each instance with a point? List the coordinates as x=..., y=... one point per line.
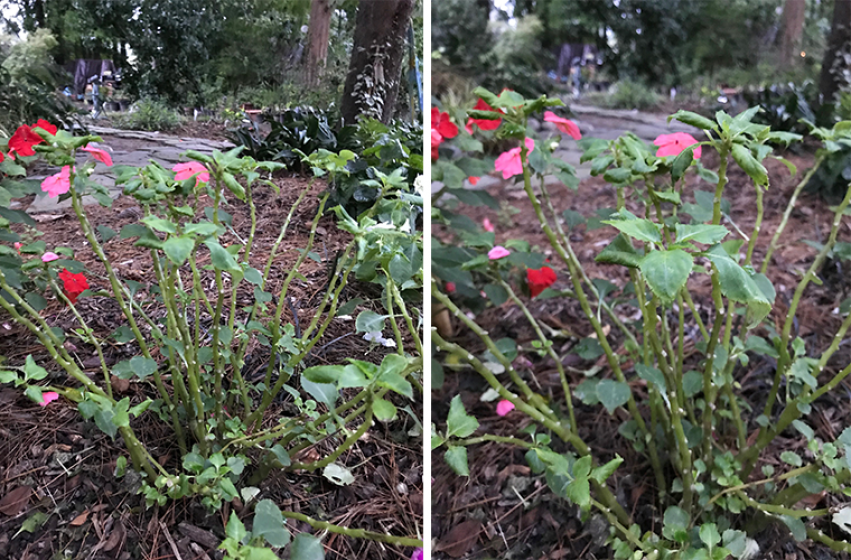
x=774, y=240
x=355, y=533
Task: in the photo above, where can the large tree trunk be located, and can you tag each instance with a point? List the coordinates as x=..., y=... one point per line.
x=839, y=40
x=372, y=83
x=317, y=39
x=794, y=14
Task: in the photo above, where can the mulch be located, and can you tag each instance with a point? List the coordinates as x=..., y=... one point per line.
x=57, y=489
x=503, y=510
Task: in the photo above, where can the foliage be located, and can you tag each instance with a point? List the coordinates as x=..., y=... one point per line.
x=149, y=114
x=684, y=414
x=630, y=94
x=378, y=152
x=190, y=360
x=788, y=107
x=296, y=131
x=28, y=83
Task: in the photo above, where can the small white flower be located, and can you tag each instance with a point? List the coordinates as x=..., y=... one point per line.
x=418, y=185
x=388, y=343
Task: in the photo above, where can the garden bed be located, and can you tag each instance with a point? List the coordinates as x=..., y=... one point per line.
x=57, y=489
x=503, y=510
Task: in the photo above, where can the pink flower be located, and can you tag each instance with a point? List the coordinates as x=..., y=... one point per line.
x=509, y=162
x=498, y=252
x=450, y=287
x=417, y=555
x=504, y=407
x=18, y=247
x=473, y=180
x=48, y=256
x=486, y=223
x=100, y=155
x=673, y=144
x=48, y=397
x=184, y=171
x=57, y=184
x=565, y=125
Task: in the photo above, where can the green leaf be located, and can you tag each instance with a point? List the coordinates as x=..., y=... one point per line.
x=370, y=321
x=701, y=233
x=739, y=286
x=281, y=454
x=579, y=492
x=640, y=229
x=675, y=524
x=383, y=410
x=796, y=526
x=306, y=547
x=323, y=374
x=220, y=256
x=709, y=535
x=601, y=473
x=749, y=164
x=269, y=523
x=458, y=422
x=620, y=251
x=143, y=367
x=693, y=119
x=666, y=272
x=791, y=458
x=613, y=394
x=33, y=371
x=159, y=224
x=456, y=458
x=323, y=392
x=396, y=383
x=178, y=249
x=106, y=233
x=651, y=375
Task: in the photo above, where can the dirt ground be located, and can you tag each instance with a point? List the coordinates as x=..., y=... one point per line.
x=58, y=495
x=504, y=511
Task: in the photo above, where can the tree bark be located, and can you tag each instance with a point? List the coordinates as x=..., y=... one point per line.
x=372, y=83
x=317, y=39
x=839, y=40
x=794, y=14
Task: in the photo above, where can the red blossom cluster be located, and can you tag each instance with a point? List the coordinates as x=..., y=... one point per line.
x=73, y=284
x=22, y=141
x=442, y=128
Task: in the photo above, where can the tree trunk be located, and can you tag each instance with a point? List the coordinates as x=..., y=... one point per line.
x=317, y=39
x=372, y=83
x=839, y=40
x=794, y=14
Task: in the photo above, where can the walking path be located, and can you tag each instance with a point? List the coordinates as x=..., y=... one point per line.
x=132, y=148
x=608, y=124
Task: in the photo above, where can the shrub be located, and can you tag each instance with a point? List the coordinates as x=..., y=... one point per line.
x=631, y=94
x=193, y=350
x=686, y=415
x=149, y=114
x=28, y=81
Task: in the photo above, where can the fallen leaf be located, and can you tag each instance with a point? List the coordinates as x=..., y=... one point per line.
x=15, y=501
x=119, y=385
x=461, y=538
x=80, y=519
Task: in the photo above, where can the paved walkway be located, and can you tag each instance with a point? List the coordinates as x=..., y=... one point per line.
x=595, y=122
x=133, y=148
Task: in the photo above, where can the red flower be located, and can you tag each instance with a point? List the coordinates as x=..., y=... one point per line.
x=45, y=126
x=539, y=280
x=483, y=124
x=442, y=128
x=73, y=284
x=22, y=142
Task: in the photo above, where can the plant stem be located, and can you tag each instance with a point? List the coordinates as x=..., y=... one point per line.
x=349, y=532
x=774, y=240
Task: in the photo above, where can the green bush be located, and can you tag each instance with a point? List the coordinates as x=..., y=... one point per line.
x=149, y=114
x=630, y=94
x=28, y=83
